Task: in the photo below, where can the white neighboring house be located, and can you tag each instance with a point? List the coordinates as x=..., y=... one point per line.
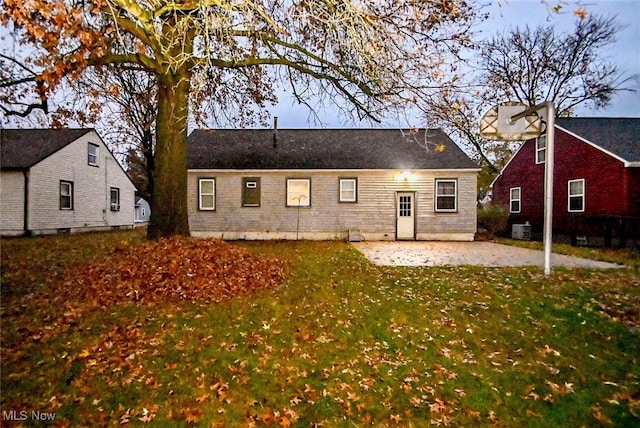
x=61, y=181
x=143, y=211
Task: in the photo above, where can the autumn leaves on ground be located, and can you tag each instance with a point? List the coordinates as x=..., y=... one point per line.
x=108, y=329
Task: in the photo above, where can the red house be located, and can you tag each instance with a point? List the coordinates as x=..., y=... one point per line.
x=596, y=181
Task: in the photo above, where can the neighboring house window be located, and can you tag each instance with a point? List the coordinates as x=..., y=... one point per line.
x=541, y=149
x=207, y=194
x=298, y=192
x=348, y=190
x=250, y=191
x=576, y=196
x=115, y=199
x=93, y=154
x=446, y=195
x=66, y=195
x=515, y=199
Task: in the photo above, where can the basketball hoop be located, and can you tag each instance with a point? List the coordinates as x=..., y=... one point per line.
x=497, y=124
x=512, y=121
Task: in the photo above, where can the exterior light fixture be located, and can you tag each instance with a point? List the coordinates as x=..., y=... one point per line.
x=405, y=176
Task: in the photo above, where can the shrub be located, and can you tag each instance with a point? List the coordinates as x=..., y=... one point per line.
x=493, y=218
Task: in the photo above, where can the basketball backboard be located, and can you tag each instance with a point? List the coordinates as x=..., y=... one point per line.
x=496, y=124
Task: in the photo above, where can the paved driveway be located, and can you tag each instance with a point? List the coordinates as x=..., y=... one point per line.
x=429, y=253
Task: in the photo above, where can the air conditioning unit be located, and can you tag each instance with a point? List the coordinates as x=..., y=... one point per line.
x=521, y=231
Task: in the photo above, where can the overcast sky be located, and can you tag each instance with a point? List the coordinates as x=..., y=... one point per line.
x=506, y=14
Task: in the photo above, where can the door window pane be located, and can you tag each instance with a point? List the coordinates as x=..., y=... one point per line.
x=405, y=206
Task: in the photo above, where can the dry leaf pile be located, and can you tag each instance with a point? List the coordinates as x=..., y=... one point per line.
x=179, y=268
x=152, y=273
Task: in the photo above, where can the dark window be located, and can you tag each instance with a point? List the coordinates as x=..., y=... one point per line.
x=446, y=195
x=576, y=195
x=115, y=199
x=541, y=149
x=66, y=195
x=251, y=191
x=515, y=199
x=93, y=154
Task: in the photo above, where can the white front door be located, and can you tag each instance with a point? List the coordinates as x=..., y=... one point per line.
x=405, y=214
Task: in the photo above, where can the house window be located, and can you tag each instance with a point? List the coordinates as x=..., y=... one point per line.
x=446, y=195
x=115, y=199
x=93, y=154
x=541, y=149
x=207, y=194
x=250, y=191
x=66, y=195
x=576, y=196
x=348, y=190
x=515, y=199
x=298, y=192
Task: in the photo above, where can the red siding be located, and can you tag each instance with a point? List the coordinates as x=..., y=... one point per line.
x=634, y=191
x=523, y=172
x=610, y=188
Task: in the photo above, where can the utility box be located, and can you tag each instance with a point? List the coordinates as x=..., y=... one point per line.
x=521, y=231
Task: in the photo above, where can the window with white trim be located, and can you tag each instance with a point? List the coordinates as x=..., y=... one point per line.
x=66, y=195
x=298, y=192
x=348, y=190
x=541, y=149
x=446, y=195
x=115, y=199
x=576, y=197
x=515, y=199
x=92, y=154
x=207, y=194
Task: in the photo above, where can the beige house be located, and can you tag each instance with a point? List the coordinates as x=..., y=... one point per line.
x=61, y=181
x=357, y=184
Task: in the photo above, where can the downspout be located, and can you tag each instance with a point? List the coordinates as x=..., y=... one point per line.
x=25, y=221
x=107, y=191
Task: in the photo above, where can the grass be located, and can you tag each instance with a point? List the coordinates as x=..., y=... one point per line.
x=340, y=343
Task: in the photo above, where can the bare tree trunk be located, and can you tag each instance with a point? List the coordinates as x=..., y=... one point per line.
x=169, y=202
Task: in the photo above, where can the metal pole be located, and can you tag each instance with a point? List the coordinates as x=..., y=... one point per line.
x=548, y=187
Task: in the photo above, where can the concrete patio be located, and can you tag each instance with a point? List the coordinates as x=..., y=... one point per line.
x=431, y=253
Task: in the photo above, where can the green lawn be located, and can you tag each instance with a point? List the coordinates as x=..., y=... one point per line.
x=340, y=343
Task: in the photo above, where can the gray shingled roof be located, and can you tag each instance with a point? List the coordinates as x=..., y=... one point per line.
x=620, y=136
x=324, y=149
x=23, y=148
